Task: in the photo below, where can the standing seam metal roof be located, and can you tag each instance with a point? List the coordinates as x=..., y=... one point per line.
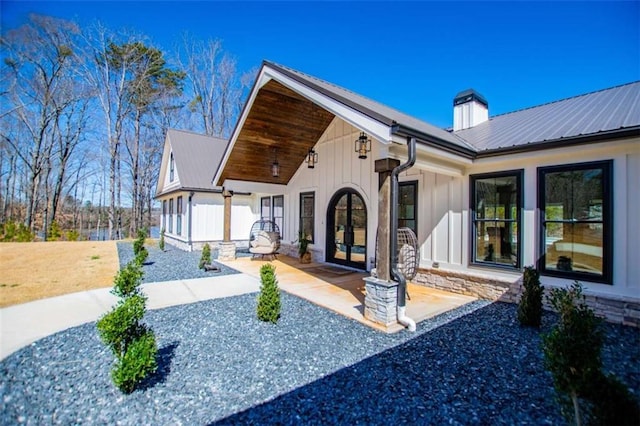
x=616, y=108
x=196, y=158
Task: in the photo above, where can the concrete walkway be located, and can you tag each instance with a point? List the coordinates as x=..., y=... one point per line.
x=21, y=325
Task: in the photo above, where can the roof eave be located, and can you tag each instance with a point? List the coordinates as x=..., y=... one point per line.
x=563, y=142
x=405, y=131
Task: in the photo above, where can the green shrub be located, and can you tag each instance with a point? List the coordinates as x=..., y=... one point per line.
x=530, y=306
x=205, y=259
x=269, y=298
x=132, y=343
x=54, y=233
x=161, y=243
x=572, y=350
x=138, y=362
x=15, y=232
x=127, y=280
x=142, y=256
x=138, y=243
x=72, y=235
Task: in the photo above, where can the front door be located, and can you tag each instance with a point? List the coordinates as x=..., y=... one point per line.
x=347, y=229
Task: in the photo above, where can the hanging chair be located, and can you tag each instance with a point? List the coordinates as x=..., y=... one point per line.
x=264, y=239
x=407, y=253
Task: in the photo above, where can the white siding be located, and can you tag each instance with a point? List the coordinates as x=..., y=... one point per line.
x=208, y=217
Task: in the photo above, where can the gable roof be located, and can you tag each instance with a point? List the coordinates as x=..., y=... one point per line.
x=613, y=112
x=196, y=159
x=377, y=111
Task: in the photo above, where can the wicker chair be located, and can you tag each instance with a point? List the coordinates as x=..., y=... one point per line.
x=264, y=239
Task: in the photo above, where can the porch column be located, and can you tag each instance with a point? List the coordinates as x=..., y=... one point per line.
x=227, y=249
x=380, y=303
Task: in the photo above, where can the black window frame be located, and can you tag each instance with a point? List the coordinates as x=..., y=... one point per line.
x=179, y=215
x=262, y=207
x=312, y=195
x=473, y=179
x=164, y=214
x=414, y=184
x=278, y=220
x=172, y=167
x=170, y=230
x=607, y=222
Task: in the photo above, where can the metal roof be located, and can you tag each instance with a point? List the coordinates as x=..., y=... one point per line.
x=196, y=158
x=594, y=114
x=373, y=109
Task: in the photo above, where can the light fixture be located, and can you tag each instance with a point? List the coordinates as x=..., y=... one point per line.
x=275, y=167
x=363, y=145
x=312, y=159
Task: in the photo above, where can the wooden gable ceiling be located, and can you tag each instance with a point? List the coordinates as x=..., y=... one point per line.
x=279, y=119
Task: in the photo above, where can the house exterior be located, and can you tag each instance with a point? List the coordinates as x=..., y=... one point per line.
x=555, y=186
x=192, y=208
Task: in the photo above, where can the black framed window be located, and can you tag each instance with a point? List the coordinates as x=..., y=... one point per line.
x=408, y=206
x=496, y=215
x=179, y=216
x=265, y=208
x=164, y=214
x=170, y=214
x=171, y=168
x=278, y=211
x=576, y=204
x=307, y=214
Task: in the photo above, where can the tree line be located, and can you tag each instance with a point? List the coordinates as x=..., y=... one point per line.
x=84, y=113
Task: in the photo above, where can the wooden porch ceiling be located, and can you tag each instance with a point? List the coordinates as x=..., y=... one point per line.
x=279, y=119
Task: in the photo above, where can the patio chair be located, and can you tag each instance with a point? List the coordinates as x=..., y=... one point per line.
x=264, y=239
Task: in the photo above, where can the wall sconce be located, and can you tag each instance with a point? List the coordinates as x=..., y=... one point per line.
x=312, y=159
x=275, y=167
x=362, y=145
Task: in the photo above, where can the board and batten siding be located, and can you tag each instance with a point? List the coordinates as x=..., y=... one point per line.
x=208, y=217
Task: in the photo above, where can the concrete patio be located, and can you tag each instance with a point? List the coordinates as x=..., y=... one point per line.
x=342, y=290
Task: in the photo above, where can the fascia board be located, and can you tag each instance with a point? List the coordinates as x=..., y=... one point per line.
x=253, y=187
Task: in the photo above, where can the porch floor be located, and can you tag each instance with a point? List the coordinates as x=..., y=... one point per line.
x=342, y=290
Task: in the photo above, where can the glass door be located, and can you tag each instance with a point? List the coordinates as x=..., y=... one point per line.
x=347, y=230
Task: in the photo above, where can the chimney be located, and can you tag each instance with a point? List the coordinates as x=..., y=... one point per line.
x=470, y=108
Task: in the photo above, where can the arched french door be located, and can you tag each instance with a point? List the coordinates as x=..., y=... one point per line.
x=347, y=229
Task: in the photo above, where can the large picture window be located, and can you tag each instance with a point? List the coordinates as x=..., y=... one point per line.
x=496, y=202
x=575, y=221
x=278, y=211
x=307, y=214
x=179, y=216
x=408, y=206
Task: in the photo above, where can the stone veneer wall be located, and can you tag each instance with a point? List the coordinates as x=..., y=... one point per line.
x=292, y=250
x=615, y=309
x=198, y=245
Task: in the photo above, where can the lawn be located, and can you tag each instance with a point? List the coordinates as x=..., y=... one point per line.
x=32, y=271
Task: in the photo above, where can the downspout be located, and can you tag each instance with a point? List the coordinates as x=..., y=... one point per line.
x=189, y=222
x=393, y=241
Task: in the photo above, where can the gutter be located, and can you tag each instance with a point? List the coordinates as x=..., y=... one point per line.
x=393, y=241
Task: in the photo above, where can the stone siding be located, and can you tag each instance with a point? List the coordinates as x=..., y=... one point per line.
x=381, y=301
x=614, y=309
x=292, y=251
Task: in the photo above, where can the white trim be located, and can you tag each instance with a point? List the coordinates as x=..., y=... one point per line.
x=254, y=187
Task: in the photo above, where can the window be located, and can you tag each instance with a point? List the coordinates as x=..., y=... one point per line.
x=278, y=211
x=265, y=208
x=575, y=221
x=407, y=205
x=164, y=214
x=171, y=215
x=179, y=216
x=496, y=211
x=171, y=168
x=307, y=209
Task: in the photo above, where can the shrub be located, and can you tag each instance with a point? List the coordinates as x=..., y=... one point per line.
x=54, y=233
x=269, y=298
x=530, y=306
x=142, y=256
x=72, y=235
x=138, y=362
x=15, y=232
x=572, y=350
x=139, y=250
x=132, y=343
x=161, y=242
x=205, y=259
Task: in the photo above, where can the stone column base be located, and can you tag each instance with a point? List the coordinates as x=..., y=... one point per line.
x=381, y=301
x=227, y=251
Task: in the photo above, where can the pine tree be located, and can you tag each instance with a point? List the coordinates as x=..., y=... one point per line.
x=269, y=298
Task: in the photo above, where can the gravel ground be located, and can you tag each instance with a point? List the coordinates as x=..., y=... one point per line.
x=171, y=264
x=219, y=363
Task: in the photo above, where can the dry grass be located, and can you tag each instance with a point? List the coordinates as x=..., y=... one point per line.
x=32, y=271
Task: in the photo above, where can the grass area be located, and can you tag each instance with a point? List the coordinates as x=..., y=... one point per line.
x=32, y=271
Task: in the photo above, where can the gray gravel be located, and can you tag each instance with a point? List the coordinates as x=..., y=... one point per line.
x=171, y=264
x=474, y=365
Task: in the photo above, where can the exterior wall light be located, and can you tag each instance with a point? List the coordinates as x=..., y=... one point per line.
x=362, y=145
x=275, y=167
x=312, y=159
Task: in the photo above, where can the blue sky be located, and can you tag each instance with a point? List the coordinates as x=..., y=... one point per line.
x=413, y=56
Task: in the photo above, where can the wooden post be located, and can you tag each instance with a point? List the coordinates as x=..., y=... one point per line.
x=227, y=214
x=383, y=259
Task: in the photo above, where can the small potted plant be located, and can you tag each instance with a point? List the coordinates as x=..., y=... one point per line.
x=303, y=245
